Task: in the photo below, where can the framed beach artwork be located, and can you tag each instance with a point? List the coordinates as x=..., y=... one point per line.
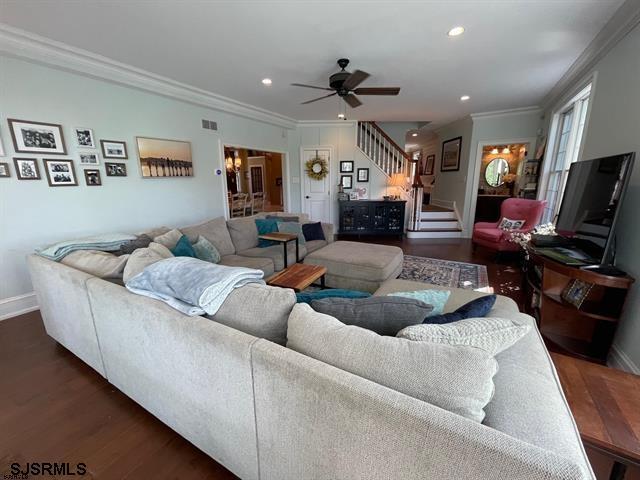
x=114, y=149
x=84, y=137
x=60, y=173
x=450, y=160
x=161, y=157
x=37, y=137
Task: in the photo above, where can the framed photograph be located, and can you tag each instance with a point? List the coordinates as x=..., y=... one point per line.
x=84, y=137
x=4, y=170
x=89, y=158
x=37, y=137
x=113, y=149
x=362, y=193
x=353, y=196
x=450, y=160
x=60, y=173
x=363, y=175
x=26, y=168
x=115, y=169
x=429, y=164
x=2, y=154
x=346, y=181
x=575, y=292
x=346, y=166
x=165, y=158
x=92, y=177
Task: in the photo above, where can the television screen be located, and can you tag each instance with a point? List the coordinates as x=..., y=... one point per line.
x=591, y=201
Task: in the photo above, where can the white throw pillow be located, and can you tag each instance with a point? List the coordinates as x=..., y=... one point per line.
x=95, y=262
x=142, y=258
x=508, y=224
x=169, y=239
x=493, y=335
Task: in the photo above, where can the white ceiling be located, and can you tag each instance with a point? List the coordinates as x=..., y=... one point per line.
x=511, y=55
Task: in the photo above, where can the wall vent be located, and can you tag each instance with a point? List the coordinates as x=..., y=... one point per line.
x=209, y=124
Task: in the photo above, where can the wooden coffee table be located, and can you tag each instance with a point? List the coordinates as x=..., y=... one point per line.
x=298, y=276
x=284, y=239
x=606, y=405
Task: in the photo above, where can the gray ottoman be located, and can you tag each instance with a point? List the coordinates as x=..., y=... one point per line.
x=357, y=266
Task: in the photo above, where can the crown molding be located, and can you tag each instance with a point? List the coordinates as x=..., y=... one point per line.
x=327, y=123
x=624, y=20
x=506, y=113
x=25, y=45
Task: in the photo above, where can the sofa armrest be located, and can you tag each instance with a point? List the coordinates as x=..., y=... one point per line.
x=485, y=225
x=327, y=229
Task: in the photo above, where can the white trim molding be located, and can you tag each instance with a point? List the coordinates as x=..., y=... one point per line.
x=620, y=360
x=327, y=123
x=506, y=113
x=14, y=306
x=25, y=45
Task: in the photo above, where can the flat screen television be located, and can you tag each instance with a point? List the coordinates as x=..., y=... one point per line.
x=591, y=204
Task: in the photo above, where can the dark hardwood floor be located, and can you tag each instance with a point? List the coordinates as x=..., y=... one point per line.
x=55, y=408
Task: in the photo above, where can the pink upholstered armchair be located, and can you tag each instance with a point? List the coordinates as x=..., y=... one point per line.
x=490, y=236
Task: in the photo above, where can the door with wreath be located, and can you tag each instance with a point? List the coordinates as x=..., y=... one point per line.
x=316, y=183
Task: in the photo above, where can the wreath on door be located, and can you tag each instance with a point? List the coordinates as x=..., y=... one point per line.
x=317, y=168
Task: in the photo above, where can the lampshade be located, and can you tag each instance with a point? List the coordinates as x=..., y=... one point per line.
x=238, y=162
x=228, y=163
x=506, y=150
x=494, y=151
x=398, y=180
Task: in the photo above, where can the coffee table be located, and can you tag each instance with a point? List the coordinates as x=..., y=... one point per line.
x=606, y=405
x=284, y=239
x=298, y=276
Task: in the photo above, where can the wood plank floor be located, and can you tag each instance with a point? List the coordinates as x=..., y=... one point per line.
x=55, y=408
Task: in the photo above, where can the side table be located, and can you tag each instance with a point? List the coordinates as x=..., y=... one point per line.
x=284, y=239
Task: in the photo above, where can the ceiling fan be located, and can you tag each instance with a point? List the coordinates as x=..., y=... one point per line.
x=344, y=85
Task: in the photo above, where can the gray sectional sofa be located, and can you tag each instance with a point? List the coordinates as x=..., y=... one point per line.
x=230, y=386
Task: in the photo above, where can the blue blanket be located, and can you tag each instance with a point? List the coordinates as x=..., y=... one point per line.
x=107, y=242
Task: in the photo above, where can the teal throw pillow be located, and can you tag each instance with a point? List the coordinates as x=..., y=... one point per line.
x=183, y=248
x=205, y=250
x=435, y=298
x=265, y=226
x=308, y=297
x=292, y=227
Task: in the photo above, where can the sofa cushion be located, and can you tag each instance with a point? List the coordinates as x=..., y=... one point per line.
x=183, y=248
x=436, y=298
x=100, y=264
x=206, y=251
x=313, y=245
x=142, y=258
x=477, y=308
x=259, y=263
x=457, y=378
x=294, y=228
x=244, y=233
x=265, y=226
x=283, y=218
x=276, y=254
x=169, y=239
x=309, y=296
x=259, y=310
x=490, y=234
x=215, y=231
x=364, y=261
x=383, y=315
x=155, y=232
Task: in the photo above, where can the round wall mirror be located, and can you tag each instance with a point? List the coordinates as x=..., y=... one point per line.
x=495, y=171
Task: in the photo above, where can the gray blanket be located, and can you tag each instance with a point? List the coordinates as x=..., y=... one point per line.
x=191, y=286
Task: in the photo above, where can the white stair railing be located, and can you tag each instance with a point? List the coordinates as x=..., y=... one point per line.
x=382, y=150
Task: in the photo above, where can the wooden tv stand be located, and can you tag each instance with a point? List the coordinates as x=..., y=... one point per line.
x=586, y=332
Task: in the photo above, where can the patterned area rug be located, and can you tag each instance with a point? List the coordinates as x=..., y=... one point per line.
x=446, y=273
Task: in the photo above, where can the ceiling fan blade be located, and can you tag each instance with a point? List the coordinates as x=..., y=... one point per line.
x=355, y=79
x=352, y=100
x=320, y=98
x=377, y=91
x=311, y=86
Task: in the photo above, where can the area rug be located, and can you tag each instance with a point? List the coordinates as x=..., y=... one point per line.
x=446, y=273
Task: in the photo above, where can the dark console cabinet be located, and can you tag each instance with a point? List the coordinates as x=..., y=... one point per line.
x=372, y=217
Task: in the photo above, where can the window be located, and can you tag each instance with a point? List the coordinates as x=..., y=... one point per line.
x=569, y=128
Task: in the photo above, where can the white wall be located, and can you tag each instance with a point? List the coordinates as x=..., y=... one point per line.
x=397, y=131
x=33, y=214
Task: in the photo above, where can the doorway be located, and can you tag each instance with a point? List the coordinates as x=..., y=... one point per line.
x=316, y=193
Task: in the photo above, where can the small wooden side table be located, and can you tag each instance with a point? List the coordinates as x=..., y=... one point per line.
x=284, y=239
x=298, y=276
x=606, y=405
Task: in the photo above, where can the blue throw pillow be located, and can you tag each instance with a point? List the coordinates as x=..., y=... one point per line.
x=474, y=309
x=183, y=248
x=313, y=231
x=294, y=228
x=308, y=297
x=265, y=226
x=435, y=298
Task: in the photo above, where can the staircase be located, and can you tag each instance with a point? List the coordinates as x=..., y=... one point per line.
x=438, y=220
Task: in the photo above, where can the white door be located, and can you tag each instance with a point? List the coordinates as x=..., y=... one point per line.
x=316, y=193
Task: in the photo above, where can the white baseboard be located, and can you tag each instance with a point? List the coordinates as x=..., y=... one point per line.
x=619, y=359
x=14, y=306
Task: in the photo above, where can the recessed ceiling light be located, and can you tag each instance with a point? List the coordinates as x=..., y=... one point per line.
x=414, y=134
x=455, y=31
x=464, y=98
x=266, y=81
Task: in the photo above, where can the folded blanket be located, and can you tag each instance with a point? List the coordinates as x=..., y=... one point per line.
x=107, y=242
x=191, y=286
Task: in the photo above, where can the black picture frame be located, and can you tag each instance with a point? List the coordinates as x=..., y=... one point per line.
x=346, y=181
x=56, y=176
x=362, y=175
x=450, y=157
x=34, y=168
x=37, y=132
x=92, y=177
x=430, y=164
x=113, y=169
x=346, y=166
x=5, y=172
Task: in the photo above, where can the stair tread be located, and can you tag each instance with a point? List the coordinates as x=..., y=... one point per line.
x=435, y=208
x=437, y=230
x=438, y=220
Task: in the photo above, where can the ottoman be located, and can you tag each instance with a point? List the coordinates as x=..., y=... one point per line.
x=357, y=266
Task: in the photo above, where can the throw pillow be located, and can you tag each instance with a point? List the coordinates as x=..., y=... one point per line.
x=458, y=379
x=493, y=335
x=183, y=248
x=436, y=298
x=473, y=309
x=100, y=264
x=169, y=239
x=205, y=250
x=313, y=231
x=308, y=297
x=292, y=227
x=265, y=226
x=383, y=315
x=279, y=218
x=142, y=258
x=508, y=224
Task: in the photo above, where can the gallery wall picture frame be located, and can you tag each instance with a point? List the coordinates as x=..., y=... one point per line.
x=162, y=157
x=429, y=164
x=2, y=154
x=115, y=169
x=115, y=149
x=92, y=177
x=346, y=181
x=4, y=170
x=60, y=173
x=26, y=168
x=89, y=158
x=37, y=137
x=84, y=137
x=363, y=175
x=346, y=166
x=450, y=158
